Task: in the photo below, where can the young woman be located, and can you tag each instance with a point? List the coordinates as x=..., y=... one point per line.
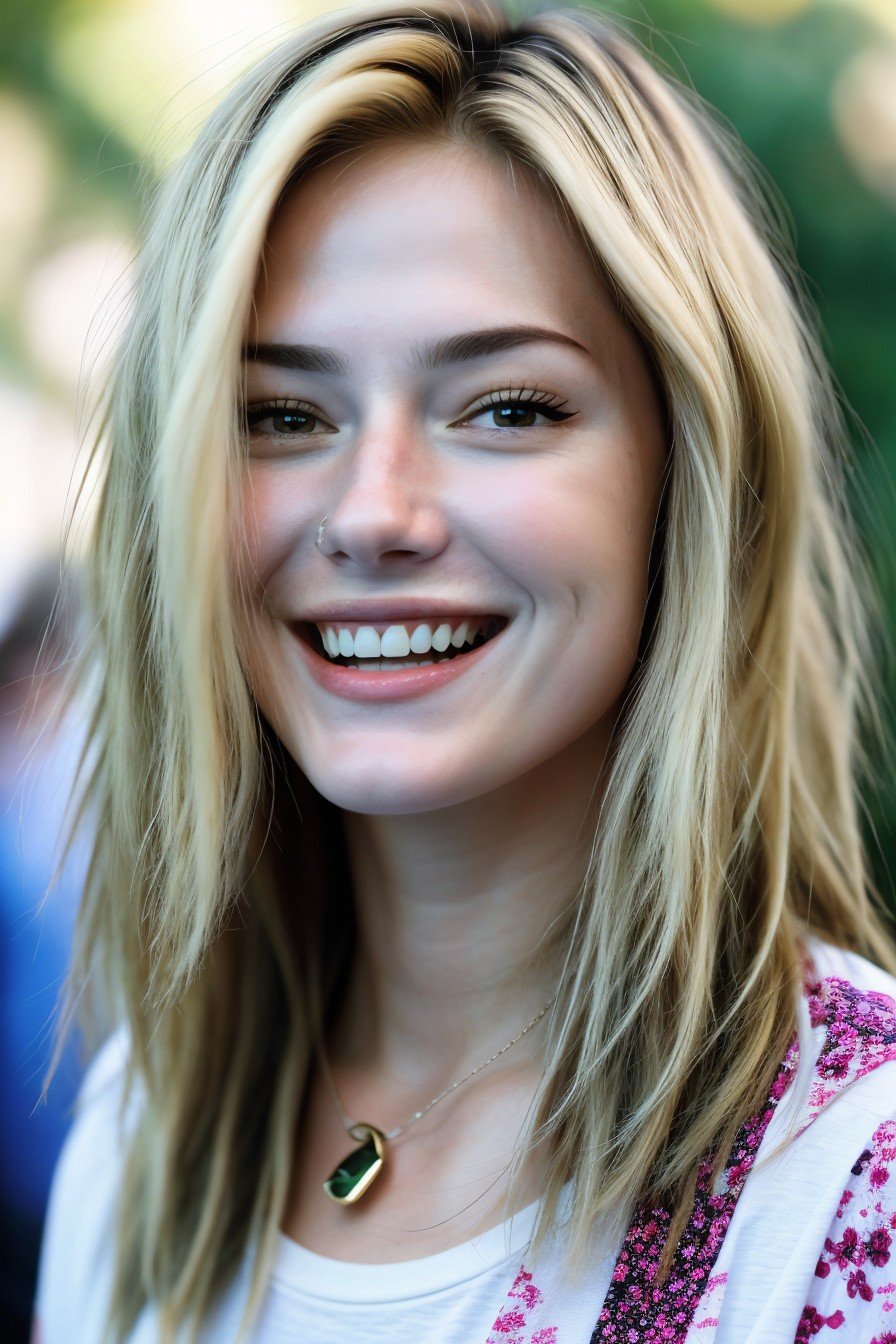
x=478, y=892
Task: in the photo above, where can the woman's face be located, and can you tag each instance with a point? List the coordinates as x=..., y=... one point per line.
x=435, y=368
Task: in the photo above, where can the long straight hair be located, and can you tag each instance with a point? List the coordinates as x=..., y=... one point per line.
x=728, y=828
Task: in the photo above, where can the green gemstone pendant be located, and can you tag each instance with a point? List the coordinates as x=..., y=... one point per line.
x=357, y=1172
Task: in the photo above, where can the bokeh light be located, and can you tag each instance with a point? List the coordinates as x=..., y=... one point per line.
x=36, y=461
x=164, y=63
x=864, y=112
x=762, y=11
x=29, y=169
x=73, y=303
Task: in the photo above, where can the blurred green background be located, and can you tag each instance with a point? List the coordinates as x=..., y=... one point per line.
x=96, y=96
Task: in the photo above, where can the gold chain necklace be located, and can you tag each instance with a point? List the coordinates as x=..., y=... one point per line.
x=357, y=1172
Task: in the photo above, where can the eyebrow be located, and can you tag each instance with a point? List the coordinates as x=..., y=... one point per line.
x=435, y=355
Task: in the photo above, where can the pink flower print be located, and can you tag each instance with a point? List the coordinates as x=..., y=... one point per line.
x=509, y=1321
x=849, y=1250
x=524, y=1288
x=531, y=1296
x=860, y=1034
x=512, y=1320
x=845, y=1198
x=738, y=1174
x=878, y=1176
x=837, y=1064
x=858, y=1286
x=812, y=1321
x=878, y=1247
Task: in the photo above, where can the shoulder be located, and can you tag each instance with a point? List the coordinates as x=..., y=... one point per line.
x=851, y=1008
x=831, y=962
x=851, y=1283
x=809, y=1244
x=75, y=1263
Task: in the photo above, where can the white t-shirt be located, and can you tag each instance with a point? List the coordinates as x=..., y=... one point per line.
x=805, y=1246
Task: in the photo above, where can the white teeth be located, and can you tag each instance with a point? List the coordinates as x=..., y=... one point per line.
x=398, y=641
x=346, y=643
x=382, y=666
x=421, y=639
x=394, y=644
x=367, y=642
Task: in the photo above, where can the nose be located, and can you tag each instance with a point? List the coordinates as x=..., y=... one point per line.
x=387, y=507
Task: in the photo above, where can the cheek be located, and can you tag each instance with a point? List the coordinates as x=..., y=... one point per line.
x=584, y=527
x=280, y=514
x=621, y=538
x=268, y=518
x=263, y=540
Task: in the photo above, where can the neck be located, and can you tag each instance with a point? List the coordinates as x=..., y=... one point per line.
x=460, y=920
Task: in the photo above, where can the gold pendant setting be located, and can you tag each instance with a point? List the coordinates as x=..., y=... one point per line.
x=357, y=1171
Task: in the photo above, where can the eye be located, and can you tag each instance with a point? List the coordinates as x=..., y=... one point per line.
x=518, y=409
x=283, y=419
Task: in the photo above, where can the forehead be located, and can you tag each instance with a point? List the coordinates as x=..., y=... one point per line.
x=418, y=228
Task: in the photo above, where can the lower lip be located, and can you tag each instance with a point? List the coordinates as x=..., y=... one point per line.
x=353, y=684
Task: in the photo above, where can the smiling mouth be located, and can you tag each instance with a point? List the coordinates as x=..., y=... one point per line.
x=310, y=636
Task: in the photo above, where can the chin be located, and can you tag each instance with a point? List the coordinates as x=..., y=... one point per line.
x=375, y=791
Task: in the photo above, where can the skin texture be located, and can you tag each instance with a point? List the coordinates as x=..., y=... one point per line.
x=469, y=810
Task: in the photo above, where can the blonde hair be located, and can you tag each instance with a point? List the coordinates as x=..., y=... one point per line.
x=729, y=819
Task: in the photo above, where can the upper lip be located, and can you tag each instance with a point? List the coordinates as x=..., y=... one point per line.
x=394, y=609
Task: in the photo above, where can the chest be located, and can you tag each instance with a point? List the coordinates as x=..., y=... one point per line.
x=444, y=1181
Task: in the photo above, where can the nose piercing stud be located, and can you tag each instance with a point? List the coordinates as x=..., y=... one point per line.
x=320, y=533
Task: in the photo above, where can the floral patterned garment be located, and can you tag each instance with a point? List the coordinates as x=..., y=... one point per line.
x=796, y=1249
x=855, y=1277
x=852, y=1297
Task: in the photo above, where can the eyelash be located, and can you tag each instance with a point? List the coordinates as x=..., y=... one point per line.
x=254, y=415
x=546, y=403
